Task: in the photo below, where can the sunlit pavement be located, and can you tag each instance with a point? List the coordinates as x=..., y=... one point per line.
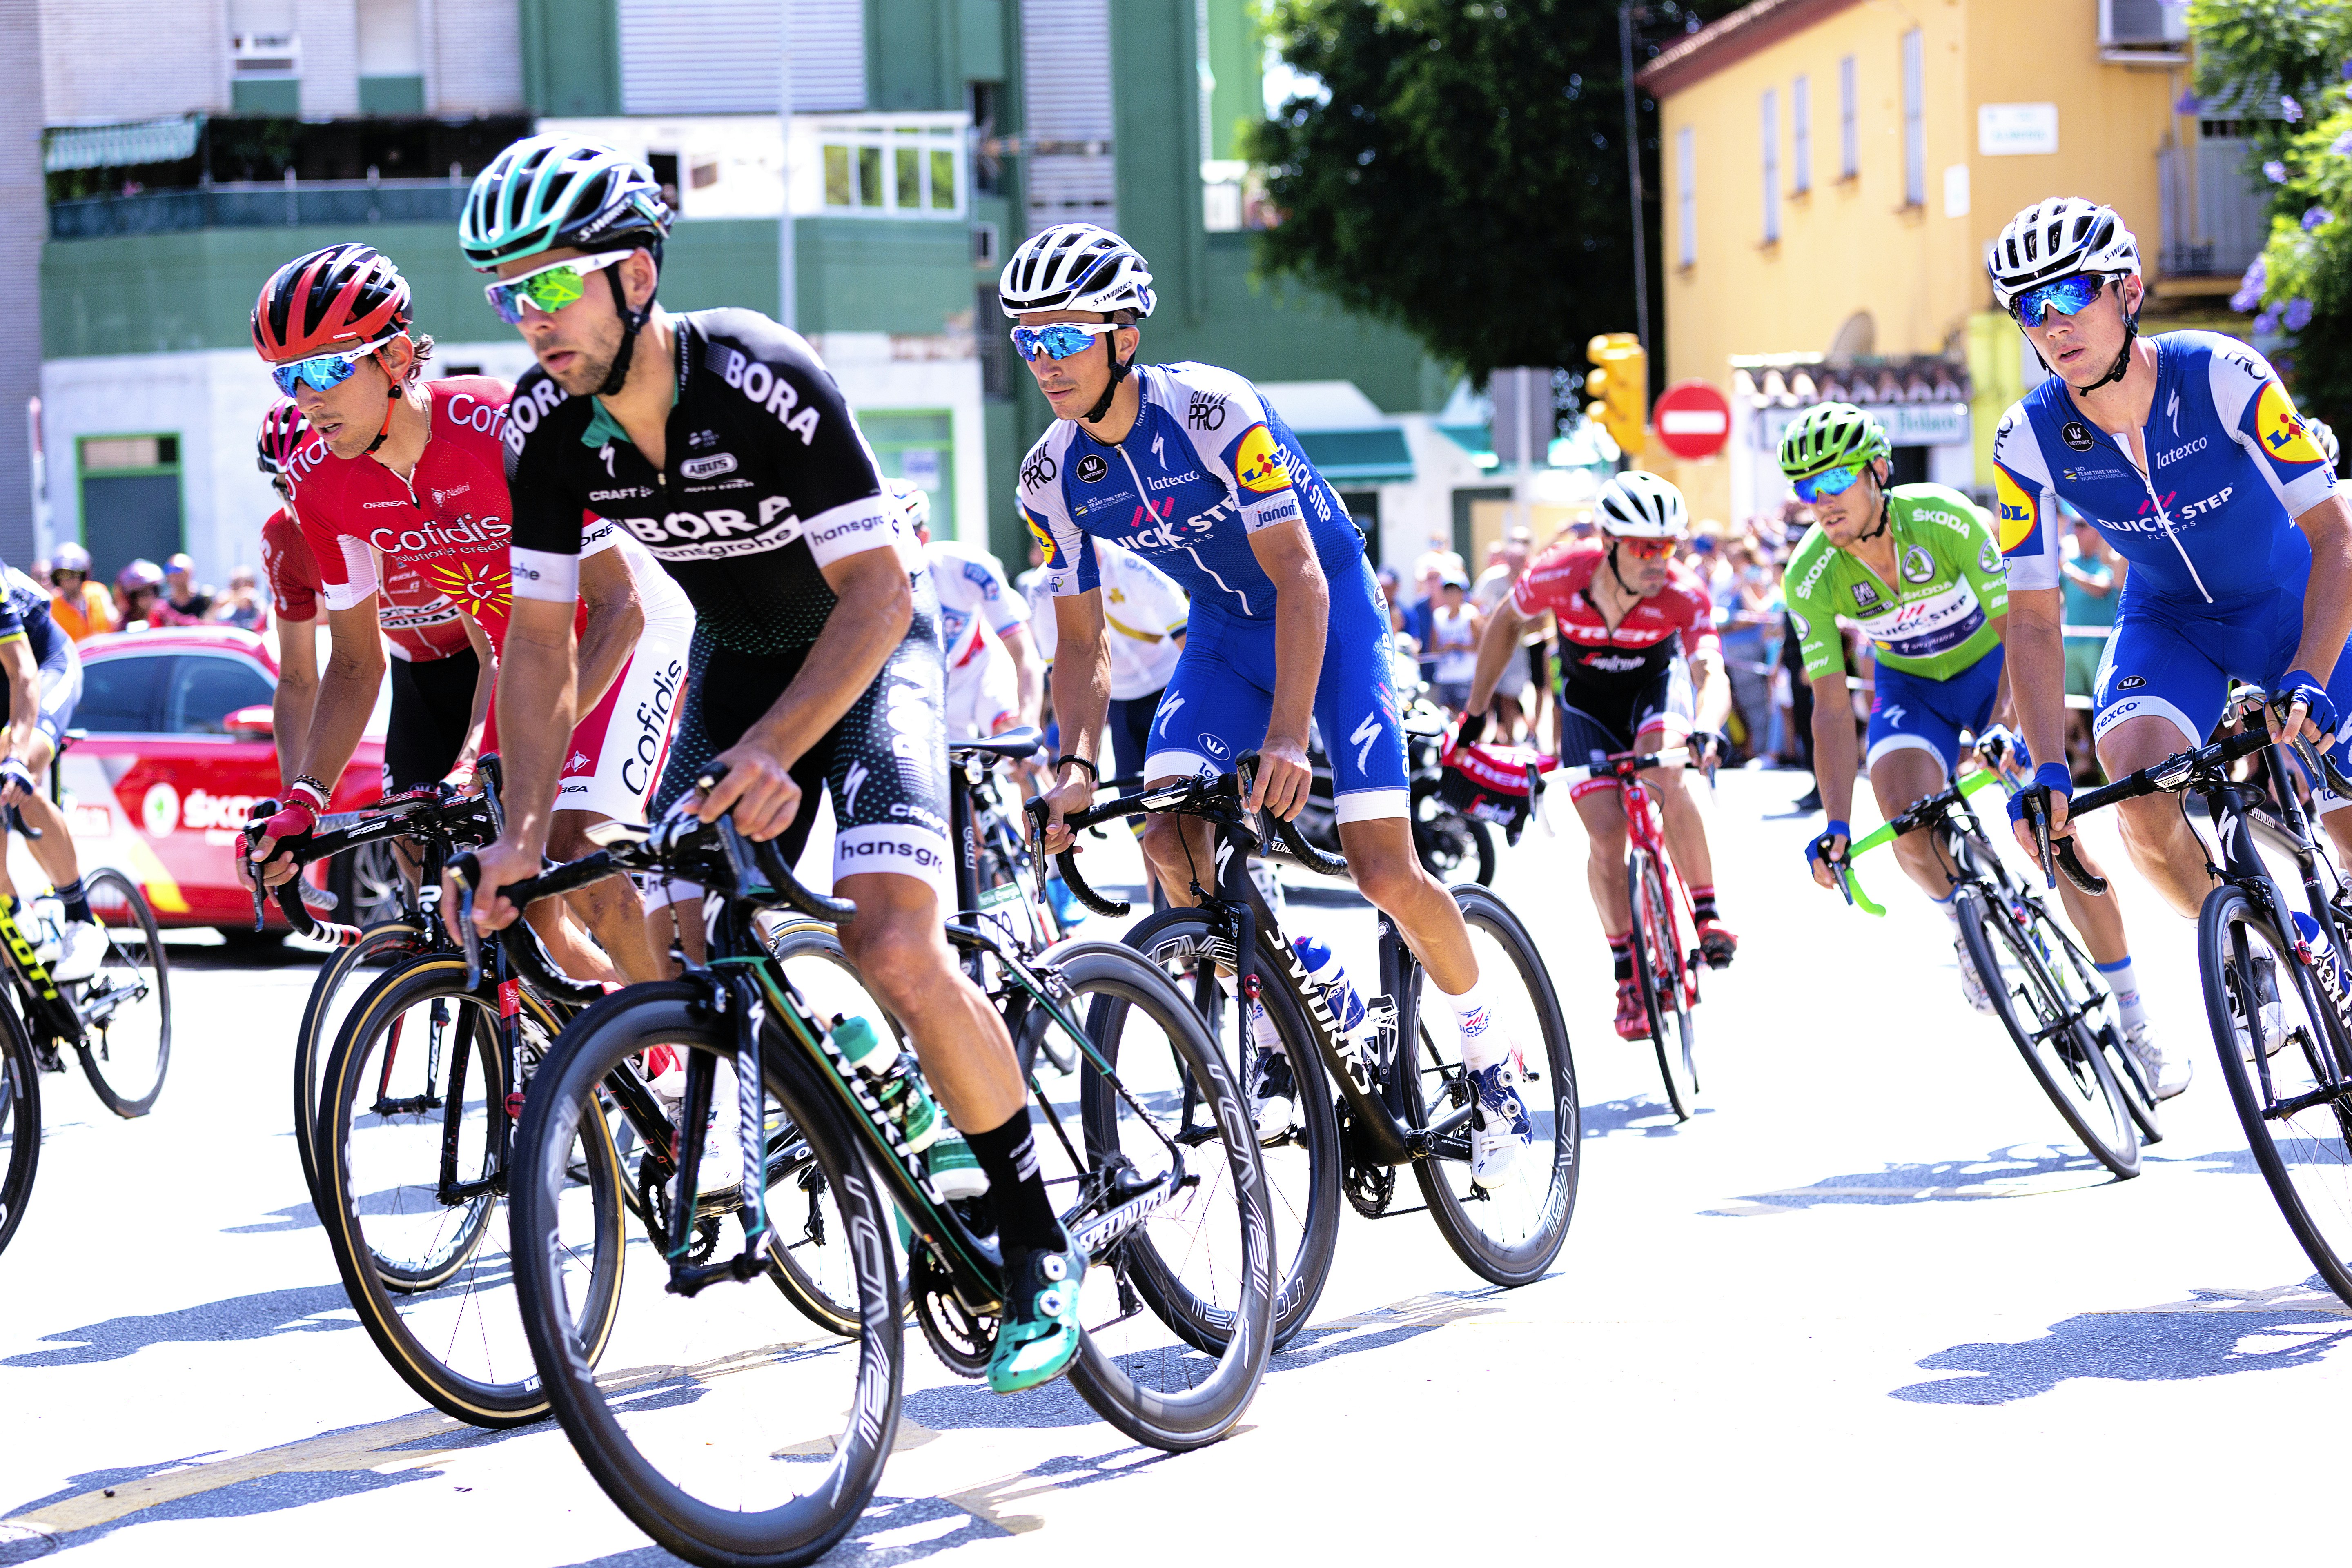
x=1862, y=1309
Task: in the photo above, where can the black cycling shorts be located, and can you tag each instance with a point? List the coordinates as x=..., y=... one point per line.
x=1607, y=720
x=885, y=763
x=432, y=703
x=61, y=676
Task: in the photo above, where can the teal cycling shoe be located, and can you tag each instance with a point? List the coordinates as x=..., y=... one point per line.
x=1039, y=1333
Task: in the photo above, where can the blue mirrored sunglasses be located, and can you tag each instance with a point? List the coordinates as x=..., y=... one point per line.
x=2067, y=297
x=325, y=372
x=1061, y=339
x=1829, y=482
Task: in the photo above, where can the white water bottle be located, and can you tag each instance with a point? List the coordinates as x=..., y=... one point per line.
x=1325, y=973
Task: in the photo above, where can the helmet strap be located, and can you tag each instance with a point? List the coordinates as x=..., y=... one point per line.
x=391, y=401
x=1118, y=370
x=1886, y=513
x=2123, y=361
x=1631, y=590
x=631, y=323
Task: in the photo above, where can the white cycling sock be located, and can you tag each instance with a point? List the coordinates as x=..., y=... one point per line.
x=2126, y=985
x=1483, y=1044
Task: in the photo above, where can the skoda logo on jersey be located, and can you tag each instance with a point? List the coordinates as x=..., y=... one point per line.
x=1091, y=468
x=2076, y=434
x=709, y=468
x=1988, y=558
x=1864, y=595
x=1804, y=629
x=1918, y=566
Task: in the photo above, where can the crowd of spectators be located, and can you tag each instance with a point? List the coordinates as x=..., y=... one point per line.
x=146, y=594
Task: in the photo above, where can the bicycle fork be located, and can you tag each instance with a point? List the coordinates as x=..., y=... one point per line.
x=734, y=995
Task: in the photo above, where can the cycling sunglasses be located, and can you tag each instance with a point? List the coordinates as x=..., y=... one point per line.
x=1827, y=483
x=2068, y=296
x=551, y=287
x=325, y=372
x=1647, y=548
x=1061, y=339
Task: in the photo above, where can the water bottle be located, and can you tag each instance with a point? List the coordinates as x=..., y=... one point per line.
x=2323, y=956
x=877, y=1057
x=1326, y=974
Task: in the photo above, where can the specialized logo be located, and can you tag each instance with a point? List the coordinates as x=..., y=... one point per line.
x=1207, y=412
x=851, y=783
x=1091, y=468
x=1261, y=466
x=1894, y=715
x=1167, y=712
x=2281, y=430
x=709, y=468
x=2172, y=410
x=2077, y=435
x=1043, y=539
x=1918, y=566
x=2015, y=509
x=1365, y=734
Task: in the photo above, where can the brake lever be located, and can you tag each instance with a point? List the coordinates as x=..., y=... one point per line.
x=2036, y=807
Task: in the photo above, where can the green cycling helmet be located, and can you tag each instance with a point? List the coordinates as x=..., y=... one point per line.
x=1831, y=436
x=554, y=192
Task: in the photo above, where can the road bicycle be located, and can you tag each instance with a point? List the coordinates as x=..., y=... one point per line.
x=1401, y=1096
x=2272, y=977
x=729, y=1443
x=1667, y=957
x=2048, y=994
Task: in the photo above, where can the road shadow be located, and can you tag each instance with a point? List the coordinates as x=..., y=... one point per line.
x=257, y=1317
x=1996, y=1175
x=299, y=1216
x=1647, y=1115
x=2173, y=1346
x=235, y=955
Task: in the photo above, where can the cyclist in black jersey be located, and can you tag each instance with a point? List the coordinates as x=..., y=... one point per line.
x=42, y=684
x=719, y=441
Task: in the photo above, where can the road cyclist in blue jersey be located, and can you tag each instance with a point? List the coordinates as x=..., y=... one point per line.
x=1188, y=466
x=2187, y=454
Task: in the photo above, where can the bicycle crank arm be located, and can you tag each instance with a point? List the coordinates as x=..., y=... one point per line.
x=690, y=1279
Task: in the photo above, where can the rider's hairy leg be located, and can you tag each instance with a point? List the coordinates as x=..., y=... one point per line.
x=2162, y=847
x=2100, y=919
x=1686, y=825
x=1381, y=861
x=53, y=851
x=2338, y=823
x=610, y=908
x=1177, y=850
x=899, y=948
x=1898, y=778
x=1604, y=866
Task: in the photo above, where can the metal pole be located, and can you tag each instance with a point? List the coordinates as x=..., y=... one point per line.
x=1633, y=172
x=787, y=263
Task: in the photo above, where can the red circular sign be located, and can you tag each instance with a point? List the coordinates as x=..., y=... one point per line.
x=1692, y=419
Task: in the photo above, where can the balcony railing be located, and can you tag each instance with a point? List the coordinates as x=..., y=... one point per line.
x=341, y=203
x=2215, y=217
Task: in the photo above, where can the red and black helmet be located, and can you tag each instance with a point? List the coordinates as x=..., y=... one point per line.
x=283, y=432
x=329, y=301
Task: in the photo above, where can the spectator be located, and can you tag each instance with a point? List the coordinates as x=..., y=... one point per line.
x=1455, y=626
x=1392, y=596
x=243, y=606
x=1430, y=572
x=184, y=601
x=1505, y=560
x=137, y=589
x=81, y=606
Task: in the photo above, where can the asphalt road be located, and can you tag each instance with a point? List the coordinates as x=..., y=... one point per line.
x=1866, y=1306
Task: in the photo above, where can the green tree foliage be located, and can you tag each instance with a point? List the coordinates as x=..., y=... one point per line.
x=1467, y=178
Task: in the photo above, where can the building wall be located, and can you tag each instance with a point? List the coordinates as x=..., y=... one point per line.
x=22, y=215
x=88, y=77
x=473, y=55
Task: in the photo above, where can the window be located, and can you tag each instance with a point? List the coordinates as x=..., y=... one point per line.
x=206, y=689
x=1801, y=134
x=129, y=499
x=118, y=695
x=893, y=170
x=1849, y=144
x=1771, y=133
x=1915, y=120
x=391, y=58
x=265, y=58
x=1685, y=198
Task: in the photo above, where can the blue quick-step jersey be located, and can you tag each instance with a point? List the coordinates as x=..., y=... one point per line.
x=2210, y=521
x=1207, y=464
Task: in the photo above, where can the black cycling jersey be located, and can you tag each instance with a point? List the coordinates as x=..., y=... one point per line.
x=23, y=610
x=767, y=480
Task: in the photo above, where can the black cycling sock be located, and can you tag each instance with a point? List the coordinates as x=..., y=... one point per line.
x=76, y=901
x=1703, y=905
x=1620, y=956
x=1024, y=1215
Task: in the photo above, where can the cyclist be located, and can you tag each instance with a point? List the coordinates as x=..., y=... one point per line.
x=1916, y=567
x=412, y=472
x=993, y=682
x=816, y=654
x=2187, y=456
x=44, y=683
x=1187, y=466
x=441, y=661
x=1641, y=670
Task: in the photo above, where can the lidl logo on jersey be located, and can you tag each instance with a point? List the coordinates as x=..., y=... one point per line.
x=1044, y=537
x=2015, y=509
x=1260, y=463
x=2281, y=430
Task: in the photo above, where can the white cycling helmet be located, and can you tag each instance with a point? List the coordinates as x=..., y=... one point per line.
x=1637, y=505
x=912, y=501
x=1076, y=267
x=2057, y=238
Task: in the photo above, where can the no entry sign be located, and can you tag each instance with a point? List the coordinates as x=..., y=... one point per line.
x=1692, y=419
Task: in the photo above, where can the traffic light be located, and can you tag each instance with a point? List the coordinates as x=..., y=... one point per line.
x=1622, y=386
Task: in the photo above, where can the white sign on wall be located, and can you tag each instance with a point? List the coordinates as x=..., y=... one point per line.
x=2010, y=130
x=1956, y=191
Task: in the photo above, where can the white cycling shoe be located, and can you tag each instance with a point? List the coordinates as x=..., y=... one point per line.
x=2165, y=1073
x=1272, y=1096
x=1500, y=1129
x=81, y=948
x=2267, y=1004
x=1972, y=986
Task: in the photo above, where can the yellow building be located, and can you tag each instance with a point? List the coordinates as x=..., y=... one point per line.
x=1834, y=169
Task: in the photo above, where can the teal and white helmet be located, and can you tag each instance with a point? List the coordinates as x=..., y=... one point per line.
x=558, y=192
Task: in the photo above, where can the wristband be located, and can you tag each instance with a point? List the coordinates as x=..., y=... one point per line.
x=14, y=771
x=1093, y=772
x=2056, y=778
x=1838, y=829
x=309, y=792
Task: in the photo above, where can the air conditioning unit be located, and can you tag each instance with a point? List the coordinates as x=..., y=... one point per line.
x=2143, y=24
x=266, y=53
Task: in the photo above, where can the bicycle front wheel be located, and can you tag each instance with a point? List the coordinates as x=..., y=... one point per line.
x=740, y=1434
x=342, y=982
x=20, y=1120
x=126, y=1006
x=2014, y=963
x=1658, y=963
x=2294, y=1095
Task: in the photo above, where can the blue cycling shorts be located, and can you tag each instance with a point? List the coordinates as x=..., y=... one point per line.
x=2175, y=659
x=1218, y=701
x=1912, y=710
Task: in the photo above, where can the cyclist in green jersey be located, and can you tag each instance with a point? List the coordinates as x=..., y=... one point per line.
x=1917, y=569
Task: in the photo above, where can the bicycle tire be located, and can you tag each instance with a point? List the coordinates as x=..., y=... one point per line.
x=2078, y=976
x=2220, y=967
x=2097, y=1109
x=806, y=1527
x=314, y=1038
x=385, y=1289
x=20, y=1120
x=1307, y=1203
x=1526, y=1260
x=1658, y=969
x=126, y=1084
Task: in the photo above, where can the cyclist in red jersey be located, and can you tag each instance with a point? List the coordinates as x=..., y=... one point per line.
x=1634, y=622
x=414, y=472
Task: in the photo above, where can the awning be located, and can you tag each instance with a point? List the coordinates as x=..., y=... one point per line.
x=1478, y=441
x=1374, y=457
x=120, y=146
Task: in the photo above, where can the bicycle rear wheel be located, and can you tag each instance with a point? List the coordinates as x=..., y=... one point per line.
x=2046, y=1026
x=1658, y=966
x=735, y=1433
x=342, y=982
x=20, y=1122
x=2080, y=979
x=1510, y=1235
x=126, y=1006
x=2294, y=1097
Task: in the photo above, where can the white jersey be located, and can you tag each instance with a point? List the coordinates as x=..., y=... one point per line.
x=973, y=593
x=1144, y=612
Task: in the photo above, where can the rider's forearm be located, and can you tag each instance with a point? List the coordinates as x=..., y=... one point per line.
x=2002, y=694
x=291, y=707
x=2034, y=666
x=2327, y=596
x=1302, y=620
x=24, y=697
x=1835, y=750
x=1081, y=678
x=338, y=715
x=1028, y=681
x=537, y=710
x=1498, y=646
x=1713, y=695
x=606, y=645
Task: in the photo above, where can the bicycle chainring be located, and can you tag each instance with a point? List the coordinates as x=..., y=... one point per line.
x=1370, y=1188
x=964, y=1341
